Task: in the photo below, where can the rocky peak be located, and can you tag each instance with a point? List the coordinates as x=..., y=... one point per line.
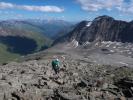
x=104, y=17
x=103, y=28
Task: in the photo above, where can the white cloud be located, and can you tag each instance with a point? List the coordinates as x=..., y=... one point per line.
x=96, y=5
x=126, y=7
x=4, y=5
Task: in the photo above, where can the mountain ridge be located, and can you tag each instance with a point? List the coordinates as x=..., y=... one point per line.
x=103, y=28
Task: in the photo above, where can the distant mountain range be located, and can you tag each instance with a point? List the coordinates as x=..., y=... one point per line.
x=53, y=28
x=103, y=28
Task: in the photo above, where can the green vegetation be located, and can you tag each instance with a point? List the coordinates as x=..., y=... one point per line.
x=41, y=40
x=6, y=56
x=22, y=29
x=37, y=34
x=28, y=30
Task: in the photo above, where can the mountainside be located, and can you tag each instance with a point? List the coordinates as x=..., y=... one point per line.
x=103, y=28
x=20, y=38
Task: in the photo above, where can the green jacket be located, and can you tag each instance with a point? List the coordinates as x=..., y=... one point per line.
x=55, y=64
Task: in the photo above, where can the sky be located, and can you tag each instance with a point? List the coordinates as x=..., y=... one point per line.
x=69, y=10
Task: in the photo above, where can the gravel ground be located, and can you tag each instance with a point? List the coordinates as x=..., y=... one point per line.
x=91, y=73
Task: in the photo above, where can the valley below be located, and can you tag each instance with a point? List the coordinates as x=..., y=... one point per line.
x=22, y=37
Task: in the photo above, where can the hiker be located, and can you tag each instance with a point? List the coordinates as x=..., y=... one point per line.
x=56, y=65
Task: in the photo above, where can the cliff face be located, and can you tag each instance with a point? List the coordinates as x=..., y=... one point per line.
x=103, y=28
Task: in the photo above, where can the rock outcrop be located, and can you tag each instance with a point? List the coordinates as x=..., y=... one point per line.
x=103, y=28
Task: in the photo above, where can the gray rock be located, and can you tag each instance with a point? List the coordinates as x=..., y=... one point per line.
x=70, y=96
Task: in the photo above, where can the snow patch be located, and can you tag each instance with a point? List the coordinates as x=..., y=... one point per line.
x=74, y=43
x=97, y=44
x=88, y=24
x=123, y=63
x=107, y=42
x=86, y=43
x=112, y=51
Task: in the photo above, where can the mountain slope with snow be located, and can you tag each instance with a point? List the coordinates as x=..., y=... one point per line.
x=103, y=28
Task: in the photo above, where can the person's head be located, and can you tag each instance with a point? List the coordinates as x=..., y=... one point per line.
x=57, y=59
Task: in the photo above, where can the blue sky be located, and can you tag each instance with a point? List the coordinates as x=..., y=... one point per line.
x=69, y=10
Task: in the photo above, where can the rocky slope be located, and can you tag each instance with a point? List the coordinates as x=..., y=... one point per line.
x=103, y=28
x=79, y=79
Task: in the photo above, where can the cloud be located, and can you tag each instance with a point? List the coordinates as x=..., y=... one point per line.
x=96, y=5
x=126, y=7
x=4, y=5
